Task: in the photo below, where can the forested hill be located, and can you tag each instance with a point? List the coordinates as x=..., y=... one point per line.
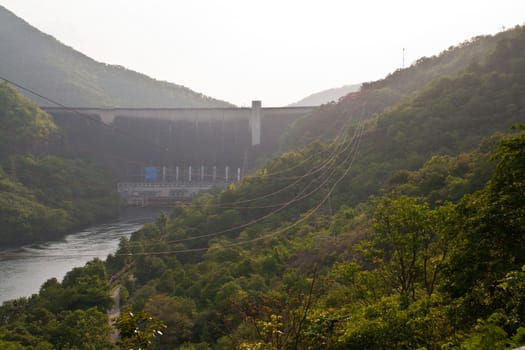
x=406, y=231
x=43, y=196
x=326, y=121
x=40, y=62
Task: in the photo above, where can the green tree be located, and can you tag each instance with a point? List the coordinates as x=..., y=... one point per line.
x=88, y=286
x=408, y=245
x=490, y=235
x=177, y=314
x=24, y=125
x=84, y=330
x=138, y=330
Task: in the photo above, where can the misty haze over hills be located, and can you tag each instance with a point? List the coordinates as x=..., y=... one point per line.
x=326, y=96
x=41, y=63
x=393, y=218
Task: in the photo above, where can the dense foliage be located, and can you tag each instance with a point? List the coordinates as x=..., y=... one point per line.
x=25, y=127
x=404, y=231
x=41, y=63
x=67, y=315
x=414, y=270
x=43, y=196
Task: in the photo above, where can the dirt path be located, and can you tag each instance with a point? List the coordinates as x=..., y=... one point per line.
x=113, y=313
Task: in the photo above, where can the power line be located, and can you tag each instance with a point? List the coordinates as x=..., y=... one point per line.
x=308, y=214
x=270, y=235
x=359, y=130
x=133, y=136
x=84, y=115
x=298, y=197
x=350, y=156
x=96, y=120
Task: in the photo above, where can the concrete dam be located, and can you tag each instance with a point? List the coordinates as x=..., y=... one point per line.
x=166, y=154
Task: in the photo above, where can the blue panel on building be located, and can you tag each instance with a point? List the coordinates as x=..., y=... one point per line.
x=150, y=173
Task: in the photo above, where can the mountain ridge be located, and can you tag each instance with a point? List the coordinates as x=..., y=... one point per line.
x=406, y=232
x=41, y=63
x=326, y=121
x=326, y=96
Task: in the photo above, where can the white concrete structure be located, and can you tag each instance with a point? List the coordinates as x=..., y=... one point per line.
x=255, y=122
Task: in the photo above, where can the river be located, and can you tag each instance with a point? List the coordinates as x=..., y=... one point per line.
x=23, y=270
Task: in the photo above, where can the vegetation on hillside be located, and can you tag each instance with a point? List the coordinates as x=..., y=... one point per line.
x=404, y=231
x=67, y=315
x=398, y=271
x=325, y=122
x=43, y=196
x=41, y=63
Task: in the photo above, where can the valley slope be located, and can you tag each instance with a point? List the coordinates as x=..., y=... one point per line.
x=39, y=62
x=400, y=224
x=44, y=196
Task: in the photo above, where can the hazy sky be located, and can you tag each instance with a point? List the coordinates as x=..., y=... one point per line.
x=277, y=51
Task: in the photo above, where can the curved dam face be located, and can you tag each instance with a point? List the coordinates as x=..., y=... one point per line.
x=181, y=143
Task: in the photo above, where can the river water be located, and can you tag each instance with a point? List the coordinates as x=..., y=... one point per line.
x=23, y=270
